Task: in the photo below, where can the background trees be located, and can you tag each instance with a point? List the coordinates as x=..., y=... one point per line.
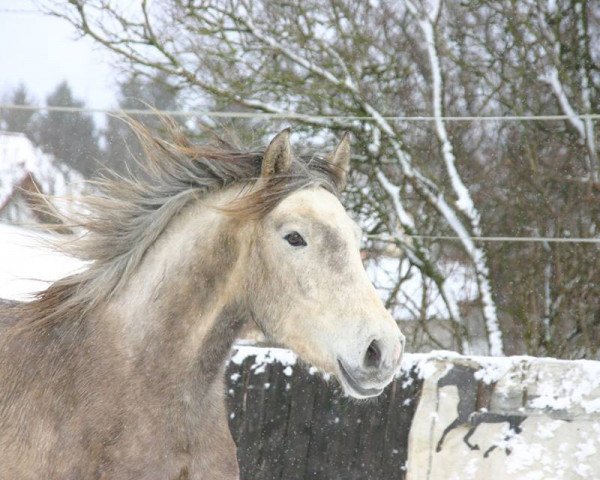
x=351, y=65
x=18, y=120
x=135, y=93
x=69, y=136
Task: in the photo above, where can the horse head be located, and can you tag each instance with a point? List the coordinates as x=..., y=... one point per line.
x=307, y=287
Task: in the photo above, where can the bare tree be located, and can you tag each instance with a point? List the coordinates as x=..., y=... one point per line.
x=537, y=58
x=352, y=65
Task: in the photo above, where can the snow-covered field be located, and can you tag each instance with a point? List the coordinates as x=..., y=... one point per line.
x=19, y=158
x=28, y=264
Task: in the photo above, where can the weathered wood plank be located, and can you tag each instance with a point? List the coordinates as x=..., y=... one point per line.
x=291, y=424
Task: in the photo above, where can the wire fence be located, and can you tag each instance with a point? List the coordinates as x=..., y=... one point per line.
x=293, y=115
x=509, y=239
x=21, y=11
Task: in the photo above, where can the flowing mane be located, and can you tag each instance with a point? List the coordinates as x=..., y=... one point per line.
x=128, y=214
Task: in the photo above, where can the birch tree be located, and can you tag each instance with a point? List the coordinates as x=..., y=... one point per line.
x=427, y=18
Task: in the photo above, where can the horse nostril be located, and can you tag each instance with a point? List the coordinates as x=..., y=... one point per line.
x=373, y=355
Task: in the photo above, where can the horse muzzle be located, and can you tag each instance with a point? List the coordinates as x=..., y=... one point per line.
x=375, y=369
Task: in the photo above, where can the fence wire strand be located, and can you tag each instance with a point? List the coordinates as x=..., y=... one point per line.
x=590, y=240
x=293, y=115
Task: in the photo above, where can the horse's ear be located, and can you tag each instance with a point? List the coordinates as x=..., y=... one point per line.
x=340, y=158
x=277, y=159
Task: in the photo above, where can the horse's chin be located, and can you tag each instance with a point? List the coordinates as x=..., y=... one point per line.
x=352, y=387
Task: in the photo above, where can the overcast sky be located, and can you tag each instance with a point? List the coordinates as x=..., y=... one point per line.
x=41, y=51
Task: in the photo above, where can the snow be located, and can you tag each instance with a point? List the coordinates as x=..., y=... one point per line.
x=19, y=158
x=585, y=129
x=263, y=356
x=464, y=201
x=585, y=449
x=544, y=378
x=552, y=79
x=579, y=390
x=546, y=431
x=549, y=389
x=459, y=285
x=28, y=264
x=556, y=439
x=493, y=372
x=394, y=192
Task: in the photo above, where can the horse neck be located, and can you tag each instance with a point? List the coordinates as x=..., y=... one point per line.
x=179, y=314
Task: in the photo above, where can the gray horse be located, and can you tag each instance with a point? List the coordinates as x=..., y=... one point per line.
x=117, y=372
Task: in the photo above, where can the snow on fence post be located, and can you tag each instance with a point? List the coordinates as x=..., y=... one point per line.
x=445, y=417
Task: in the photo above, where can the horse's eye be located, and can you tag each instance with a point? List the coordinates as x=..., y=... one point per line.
x=295, y=239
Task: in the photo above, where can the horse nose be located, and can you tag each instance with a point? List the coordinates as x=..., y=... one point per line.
x=372, y=360
x=383, y=355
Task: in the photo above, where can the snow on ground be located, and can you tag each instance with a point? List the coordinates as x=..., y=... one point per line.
x=19, y=158
x=27, y=265
x=460, y=283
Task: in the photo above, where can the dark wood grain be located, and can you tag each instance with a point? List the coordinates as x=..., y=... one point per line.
x=299, y=426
